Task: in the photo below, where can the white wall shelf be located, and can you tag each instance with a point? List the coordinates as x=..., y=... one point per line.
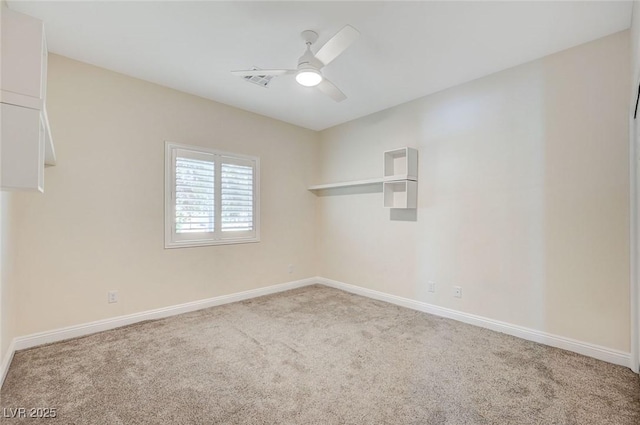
x=401, y=164
x=400, y=194
x=26, y=142
x=399, y=179
x=345, y=184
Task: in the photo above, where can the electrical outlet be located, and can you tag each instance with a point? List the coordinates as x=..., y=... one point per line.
x=112, y=296
x=290, y=268
x=457, y=291
x=432, y=286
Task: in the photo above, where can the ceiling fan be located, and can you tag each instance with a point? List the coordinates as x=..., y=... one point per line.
x=308, y=71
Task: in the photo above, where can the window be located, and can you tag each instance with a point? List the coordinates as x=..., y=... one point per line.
x=211, y=197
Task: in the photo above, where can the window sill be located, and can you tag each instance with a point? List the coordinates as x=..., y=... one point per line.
x=193, y=244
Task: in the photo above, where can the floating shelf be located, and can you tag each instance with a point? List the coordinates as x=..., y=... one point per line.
x=401, y=164
x=345, y=184
x=400, y=194
x=399, y=179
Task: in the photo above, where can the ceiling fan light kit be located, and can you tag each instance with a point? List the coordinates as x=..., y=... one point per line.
x=308, y=72
x=308, y=77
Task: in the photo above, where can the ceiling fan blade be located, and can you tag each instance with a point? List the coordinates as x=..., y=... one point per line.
x=261, y=72
x=330, y=89
x=337, y=44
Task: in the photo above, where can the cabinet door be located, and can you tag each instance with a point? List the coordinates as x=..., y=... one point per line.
x=22, y=54
x=22, y=148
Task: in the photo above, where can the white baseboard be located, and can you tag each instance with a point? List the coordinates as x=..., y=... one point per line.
x=601, y=353
x=591, y=350
x=6, y=361
x=55, y=335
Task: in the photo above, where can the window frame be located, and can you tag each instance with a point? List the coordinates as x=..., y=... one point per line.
x=217, y=237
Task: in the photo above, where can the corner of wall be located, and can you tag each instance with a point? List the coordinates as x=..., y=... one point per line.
x=7, y=296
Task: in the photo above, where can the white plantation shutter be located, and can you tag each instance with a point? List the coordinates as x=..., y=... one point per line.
x=194, y=193
x=212, y=197
x=237, y=195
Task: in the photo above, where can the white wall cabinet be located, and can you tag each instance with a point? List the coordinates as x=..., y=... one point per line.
x=26, y=143
x=23, y=162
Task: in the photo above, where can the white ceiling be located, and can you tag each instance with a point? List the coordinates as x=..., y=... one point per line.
x=406, y=49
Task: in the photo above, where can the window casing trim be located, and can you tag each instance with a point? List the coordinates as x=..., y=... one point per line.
x=218, y=237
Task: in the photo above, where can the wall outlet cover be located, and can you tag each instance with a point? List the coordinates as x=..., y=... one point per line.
x=112, y=297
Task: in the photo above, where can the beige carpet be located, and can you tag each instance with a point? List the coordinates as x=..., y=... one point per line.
x=316, y=355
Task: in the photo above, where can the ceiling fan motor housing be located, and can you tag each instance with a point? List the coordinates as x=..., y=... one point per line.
x=309, y=61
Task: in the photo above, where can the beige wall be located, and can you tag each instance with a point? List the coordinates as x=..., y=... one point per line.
x=99, y=224
x=635, y=41
x=8, y=300
x=523, y=197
